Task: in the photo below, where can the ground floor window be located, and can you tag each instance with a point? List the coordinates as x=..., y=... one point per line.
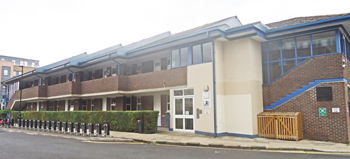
x=168, y=104
x=113, y=104
x=138, y=104
x=92, y=105
x=128, y=104
x=84, y=105
x=71, y=108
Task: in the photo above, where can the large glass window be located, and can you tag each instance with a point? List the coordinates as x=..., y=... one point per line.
x=196, y=54
x=287, y=65
x=275, y=70
x=324, y=43
x=207, y=52
x=264, y=52
x=175, y=58
x=265, y=74
x=184, y=56
x=303, y=46
x=288, y=48
x=274, y=51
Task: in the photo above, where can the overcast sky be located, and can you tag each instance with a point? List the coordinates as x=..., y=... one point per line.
x=52, y=30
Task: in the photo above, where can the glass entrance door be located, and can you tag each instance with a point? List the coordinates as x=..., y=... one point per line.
x=183, y=112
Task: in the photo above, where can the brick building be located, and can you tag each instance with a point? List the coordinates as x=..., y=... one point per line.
x=213, y=79
x=10, y=67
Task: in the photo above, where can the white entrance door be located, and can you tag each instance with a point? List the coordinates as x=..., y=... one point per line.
x=183, y=113
x=157, y=107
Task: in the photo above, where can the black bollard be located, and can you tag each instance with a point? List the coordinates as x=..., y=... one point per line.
x=31, y=124
x=71, y=128
x=83, y=127
x=35, y=124
x=77, y=128
x=12, y=122
x=48, y=126
x=44, y=125
x=98, y=130
x=59, y=124
x=54, y=126
x=65, y=128
x=28, y=124
x=91, y=129
x=106, y=129
x=39, y=125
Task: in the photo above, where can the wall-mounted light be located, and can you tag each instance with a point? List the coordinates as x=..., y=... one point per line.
x=205, y=88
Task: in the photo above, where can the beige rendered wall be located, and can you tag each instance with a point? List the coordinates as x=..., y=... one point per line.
x=6, y=64
x=25, y=69
x=239, y=85
x=198, y=76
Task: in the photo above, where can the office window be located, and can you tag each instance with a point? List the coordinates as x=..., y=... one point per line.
x=265, y=74
x=138, y=103
x=157, y=66
x=6, y=73
x=196, y=54
x=128, y=104
x=21, y=63
x=2, y=59
x=14, y=62
x=25, y=63
x=184, y=56
x=207, y=52
x=274, y=50
x=303, y=46
x=175, y=58
x=92, y=105
x=84, y=105
x=113, y=105
x=33, y=64
x=264, y=52
x=275, y=70
x=288, y=48
x=324, y=43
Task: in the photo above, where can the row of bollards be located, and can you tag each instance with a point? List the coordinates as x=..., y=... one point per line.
x=64, y=127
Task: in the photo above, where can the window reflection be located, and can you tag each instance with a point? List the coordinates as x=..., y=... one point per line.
x=324, y=43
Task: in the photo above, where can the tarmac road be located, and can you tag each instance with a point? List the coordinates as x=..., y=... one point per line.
x=23, y=145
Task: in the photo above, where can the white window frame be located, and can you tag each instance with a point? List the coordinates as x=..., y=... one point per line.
x=113, y=104
x=128, y=104
x=155, y=67
x=25, y=63
x=92, y=104
x=183, y=96
x=138, y=104
x=33, y=64
x=168, y=104
x=139, y=68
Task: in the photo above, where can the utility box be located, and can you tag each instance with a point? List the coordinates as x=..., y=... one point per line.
x=280, y=125
x=140, y=126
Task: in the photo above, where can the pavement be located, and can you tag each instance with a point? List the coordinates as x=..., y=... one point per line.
x=18, y=144
x=163, y=136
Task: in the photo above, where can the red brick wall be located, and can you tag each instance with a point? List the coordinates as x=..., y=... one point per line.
x=59, y=89
x=147, y=103
x=321, y=67
x=98, y=104
x=61, y=105
x=119, y=103
x=100, y=85
x=334, y=126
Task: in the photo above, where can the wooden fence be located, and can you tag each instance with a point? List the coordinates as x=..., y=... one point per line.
x=280, y=125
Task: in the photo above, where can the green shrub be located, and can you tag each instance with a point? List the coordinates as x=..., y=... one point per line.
x=118, y=120
x=4, y=112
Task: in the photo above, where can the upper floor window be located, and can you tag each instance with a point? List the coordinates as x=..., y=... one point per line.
x=191, y=55
x=21, y=63
x=25, y=63
x=280, y=56
x=33, y=64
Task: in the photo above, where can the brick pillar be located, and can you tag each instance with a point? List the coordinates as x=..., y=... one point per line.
x=47, y=81
x=79, y=76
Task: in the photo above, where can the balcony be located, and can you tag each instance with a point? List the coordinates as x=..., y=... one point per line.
x=151, y=80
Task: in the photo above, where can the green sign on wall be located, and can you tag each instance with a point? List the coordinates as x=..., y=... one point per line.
x=322, y=111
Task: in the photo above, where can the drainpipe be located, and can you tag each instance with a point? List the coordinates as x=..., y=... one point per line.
x=214, y=82
x=117, y=63
x=214, y=89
